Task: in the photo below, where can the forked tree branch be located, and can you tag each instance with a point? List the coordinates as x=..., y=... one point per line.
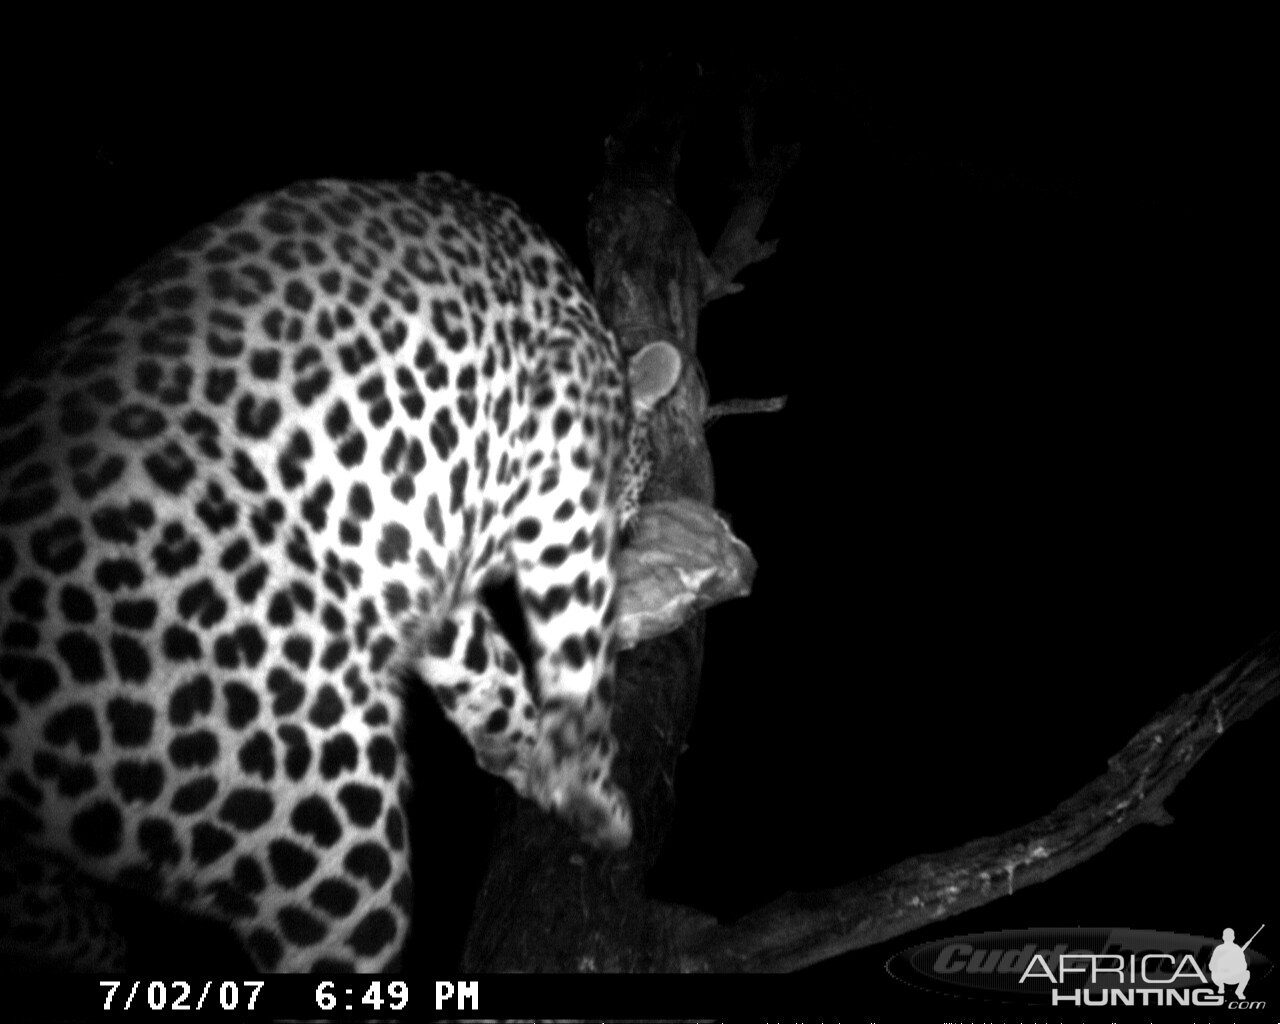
x=739, y=245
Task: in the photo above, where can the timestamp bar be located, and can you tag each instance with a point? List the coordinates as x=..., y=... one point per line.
x=397, y=997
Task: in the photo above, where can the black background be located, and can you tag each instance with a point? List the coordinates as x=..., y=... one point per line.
x=1020, y=498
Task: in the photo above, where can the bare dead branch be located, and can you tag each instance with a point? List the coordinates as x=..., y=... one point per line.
x=741, y=406
x=801, y=929
x=738, y=247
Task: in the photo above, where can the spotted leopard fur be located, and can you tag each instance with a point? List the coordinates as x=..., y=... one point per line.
x=259, y=483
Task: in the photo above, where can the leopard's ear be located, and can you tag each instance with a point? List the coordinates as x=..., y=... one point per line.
x=653, y=371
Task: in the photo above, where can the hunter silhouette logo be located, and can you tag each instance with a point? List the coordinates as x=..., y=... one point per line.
x=1227, y=965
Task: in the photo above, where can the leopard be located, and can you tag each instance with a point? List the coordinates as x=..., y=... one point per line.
x=255, y=492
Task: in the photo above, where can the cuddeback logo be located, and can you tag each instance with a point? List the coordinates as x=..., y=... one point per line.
x=1089, y=967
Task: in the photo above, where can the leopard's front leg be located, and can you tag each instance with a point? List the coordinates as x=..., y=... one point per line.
x=565, y=568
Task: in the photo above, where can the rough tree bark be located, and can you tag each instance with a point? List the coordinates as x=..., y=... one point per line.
x=550, y=904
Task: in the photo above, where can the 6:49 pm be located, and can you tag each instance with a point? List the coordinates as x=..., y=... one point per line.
x=396, y=995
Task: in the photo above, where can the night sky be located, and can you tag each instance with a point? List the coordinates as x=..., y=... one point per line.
x=1020, y=498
